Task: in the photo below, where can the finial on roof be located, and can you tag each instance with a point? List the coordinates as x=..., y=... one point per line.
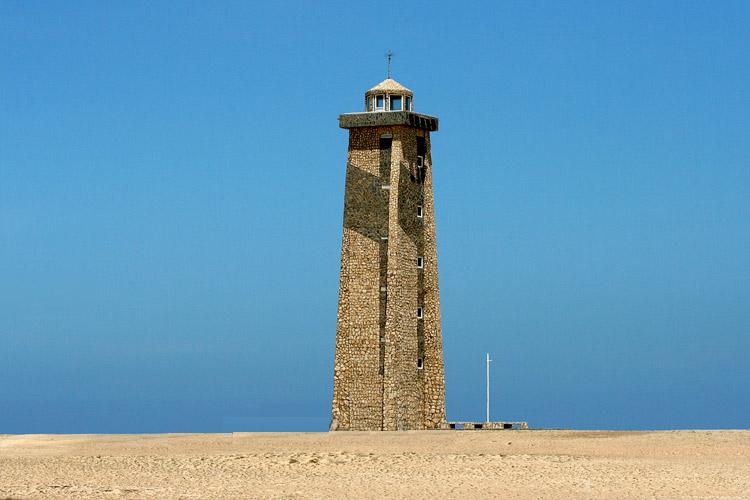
x=389, y=55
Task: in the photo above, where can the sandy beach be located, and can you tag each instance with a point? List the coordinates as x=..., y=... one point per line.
x=449, y=464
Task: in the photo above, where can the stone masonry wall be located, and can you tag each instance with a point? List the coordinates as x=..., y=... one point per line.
x=358, y=384
x=434, y=371
x=379, y=338
x=402, y=400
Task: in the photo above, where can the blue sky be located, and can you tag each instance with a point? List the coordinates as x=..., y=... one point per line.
x=171, y=195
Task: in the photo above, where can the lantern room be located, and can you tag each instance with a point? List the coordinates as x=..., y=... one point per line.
x=389, y=95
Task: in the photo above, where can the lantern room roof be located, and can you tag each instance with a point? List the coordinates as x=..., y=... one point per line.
x=389, y=86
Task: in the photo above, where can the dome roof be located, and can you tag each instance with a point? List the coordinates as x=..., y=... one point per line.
x=389, y=86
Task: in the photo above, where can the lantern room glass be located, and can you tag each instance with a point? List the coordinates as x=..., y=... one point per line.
x=396, y=103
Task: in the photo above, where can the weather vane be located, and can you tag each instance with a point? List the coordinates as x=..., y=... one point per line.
x=389, y=55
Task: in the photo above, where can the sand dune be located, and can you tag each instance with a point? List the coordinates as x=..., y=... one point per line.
x=456, y=464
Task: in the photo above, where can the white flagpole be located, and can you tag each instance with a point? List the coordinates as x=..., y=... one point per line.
x=488, y=387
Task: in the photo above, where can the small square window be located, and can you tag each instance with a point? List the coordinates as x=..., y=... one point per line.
x=420, y=262
x=420, y=363
x=420, y=313
x=380, y=102
x=396, y=103
x=420, y=213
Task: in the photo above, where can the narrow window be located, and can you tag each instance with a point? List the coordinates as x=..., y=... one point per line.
x=395, y=103
x=380, y=102
x=421, y=147
x=420, y=363
x=420, y=314
x=420, y=161
x=420, y=262
x=407, y=106
x=420, y=214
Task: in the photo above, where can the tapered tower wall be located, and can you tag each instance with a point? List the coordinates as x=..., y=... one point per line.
x=358, y=381
x=433, y=399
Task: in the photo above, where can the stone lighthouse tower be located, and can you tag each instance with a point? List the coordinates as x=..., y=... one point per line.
x=388, y=371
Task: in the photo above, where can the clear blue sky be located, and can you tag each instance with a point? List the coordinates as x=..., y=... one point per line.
x=171, y=195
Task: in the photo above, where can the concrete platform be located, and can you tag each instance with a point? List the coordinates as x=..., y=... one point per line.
x=486, y=426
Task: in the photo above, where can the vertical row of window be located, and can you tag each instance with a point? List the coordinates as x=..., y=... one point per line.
x=420, y=177
x=385, y=144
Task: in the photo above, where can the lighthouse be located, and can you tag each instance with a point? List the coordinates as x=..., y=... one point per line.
x=388, y=369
